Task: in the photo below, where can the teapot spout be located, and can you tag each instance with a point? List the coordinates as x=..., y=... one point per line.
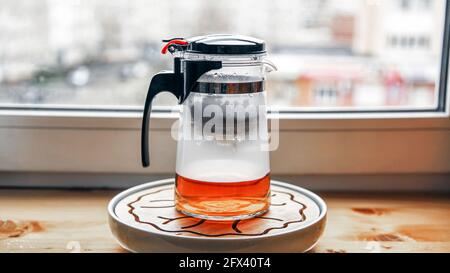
x=269, y=66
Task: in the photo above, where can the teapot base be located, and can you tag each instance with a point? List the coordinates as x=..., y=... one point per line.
x=222, y=201
x=223, y=218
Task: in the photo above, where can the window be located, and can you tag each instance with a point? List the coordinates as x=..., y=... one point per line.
x=424, y=42
x=101, y=53
x=408, y=5
x=425, y=4
x=419, y=42
x=361, y=87
x=405, y=4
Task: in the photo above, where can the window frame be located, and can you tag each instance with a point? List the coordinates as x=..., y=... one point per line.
x=42, y=128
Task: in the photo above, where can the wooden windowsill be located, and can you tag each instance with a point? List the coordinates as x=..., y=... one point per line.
x=72, y=221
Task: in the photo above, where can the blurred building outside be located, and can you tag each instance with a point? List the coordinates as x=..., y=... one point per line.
x=330, y=53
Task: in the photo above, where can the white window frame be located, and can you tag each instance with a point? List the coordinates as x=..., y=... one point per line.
x=42, y=141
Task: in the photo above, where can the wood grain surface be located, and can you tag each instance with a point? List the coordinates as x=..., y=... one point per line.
x=76, y=221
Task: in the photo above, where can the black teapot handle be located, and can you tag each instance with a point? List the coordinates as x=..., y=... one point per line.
x=175, y=83
x=163, y=81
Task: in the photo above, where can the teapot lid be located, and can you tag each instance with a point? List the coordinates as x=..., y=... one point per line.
x=226, y=44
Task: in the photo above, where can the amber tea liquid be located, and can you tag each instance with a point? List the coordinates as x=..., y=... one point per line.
x=222, y=200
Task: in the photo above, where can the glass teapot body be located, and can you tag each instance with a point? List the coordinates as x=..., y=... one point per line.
x=222, y=166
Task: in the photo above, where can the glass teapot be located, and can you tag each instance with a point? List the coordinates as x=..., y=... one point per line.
x=222, y=166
